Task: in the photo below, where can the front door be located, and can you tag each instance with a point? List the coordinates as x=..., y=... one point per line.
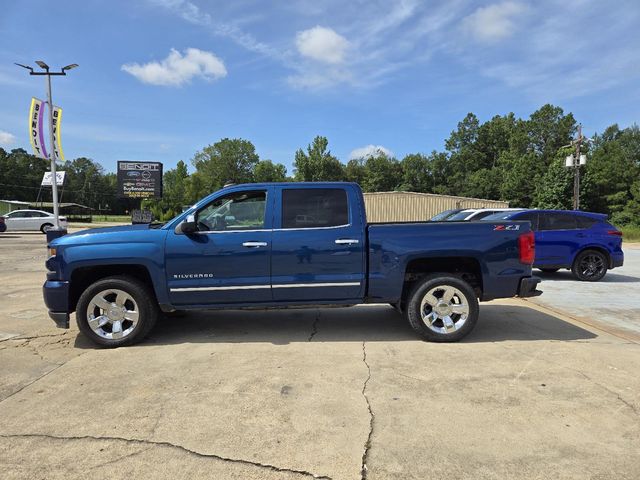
x=228, y=260
x=318, y=253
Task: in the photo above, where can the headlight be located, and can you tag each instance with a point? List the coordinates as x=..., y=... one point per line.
x=52, y=251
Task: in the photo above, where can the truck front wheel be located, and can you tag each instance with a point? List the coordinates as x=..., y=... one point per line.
x=116, y=311
x=442, y=308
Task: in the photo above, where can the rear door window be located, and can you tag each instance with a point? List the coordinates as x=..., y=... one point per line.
x=585, y=222
x=314, y=207
x=558, y=221
x=531, y=216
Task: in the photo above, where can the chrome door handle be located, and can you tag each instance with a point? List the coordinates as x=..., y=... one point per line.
x=254, y=244
x=347, y=241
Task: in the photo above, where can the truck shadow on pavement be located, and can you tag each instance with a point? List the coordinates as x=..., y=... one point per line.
x=374, y=323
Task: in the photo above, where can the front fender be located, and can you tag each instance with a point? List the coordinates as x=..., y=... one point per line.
x=149, y=255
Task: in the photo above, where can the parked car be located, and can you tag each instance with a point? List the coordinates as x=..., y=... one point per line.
x=31, y=220
x=478, y=213
x=291, y=244
x=582, y=242
x=3, y=225
x=445, y=214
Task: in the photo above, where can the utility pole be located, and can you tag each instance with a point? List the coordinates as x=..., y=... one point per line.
x=575, y=161
x=52, y=157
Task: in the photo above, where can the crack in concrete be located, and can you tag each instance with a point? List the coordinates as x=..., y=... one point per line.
x=40, y=336
x=314, y=327
x=32, y=382
x=607, y=389
x=36, y=349
x=121, y=457
x=57, y=366
x=367, y=445
x=152, y=443
x=584, y=375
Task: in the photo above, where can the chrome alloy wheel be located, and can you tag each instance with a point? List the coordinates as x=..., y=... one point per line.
x=112, y=314
x=591, y=265
x=444, y=309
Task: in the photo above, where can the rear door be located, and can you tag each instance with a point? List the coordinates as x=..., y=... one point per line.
x=318, y=245
x=558, y=238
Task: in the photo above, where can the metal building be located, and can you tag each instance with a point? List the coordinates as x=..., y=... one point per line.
x=412, y=206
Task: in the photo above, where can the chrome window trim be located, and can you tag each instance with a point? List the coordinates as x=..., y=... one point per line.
x=272, y=229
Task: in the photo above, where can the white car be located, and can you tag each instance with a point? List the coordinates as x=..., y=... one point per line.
x=478, y=213
x=33, y=220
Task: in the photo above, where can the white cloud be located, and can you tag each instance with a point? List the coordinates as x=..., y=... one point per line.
x=322, y=44
x=178, y=69
x=7, y=138
x=493, y=23
x=370, y=151
x=193, y=14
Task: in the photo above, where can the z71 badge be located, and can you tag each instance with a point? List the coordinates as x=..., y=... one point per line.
x=506, y=227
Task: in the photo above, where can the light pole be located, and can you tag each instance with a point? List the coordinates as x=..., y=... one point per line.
x=575, y=160
x=54, y=179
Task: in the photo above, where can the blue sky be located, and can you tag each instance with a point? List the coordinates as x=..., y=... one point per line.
x=160, y=79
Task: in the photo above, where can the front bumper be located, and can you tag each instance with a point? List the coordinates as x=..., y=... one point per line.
x=56, y=298
x=528, y=287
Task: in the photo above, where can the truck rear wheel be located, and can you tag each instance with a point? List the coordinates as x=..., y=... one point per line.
x=442, y=308
x=116, y=311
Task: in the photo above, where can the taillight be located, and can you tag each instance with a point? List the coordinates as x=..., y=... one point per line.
x=527, y=248
x=616, y=233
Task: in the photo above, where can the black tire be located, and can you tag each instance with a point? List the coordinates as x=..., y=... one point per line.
x=549, y=270
x=144, y=302
x=45, y=226
x=590, y=266
x=461, y=289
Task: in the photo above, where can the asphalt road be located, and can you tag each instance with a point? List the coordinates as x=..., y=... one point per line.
x=531, y=393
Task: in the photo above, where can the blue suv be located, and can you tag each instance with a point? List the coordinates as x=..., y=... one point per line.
x=582, y=242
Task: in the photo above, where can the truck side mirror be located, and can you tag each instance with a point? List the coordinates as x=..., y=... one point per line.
x=189, y=225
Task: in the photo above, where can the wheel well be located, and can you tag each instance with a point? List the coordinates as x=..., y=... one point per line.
x=597, y=249
x=82, y=277
x=466, y=268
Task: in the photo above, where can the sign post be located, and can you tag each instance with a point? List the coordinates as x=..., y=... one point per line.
x=54, y=152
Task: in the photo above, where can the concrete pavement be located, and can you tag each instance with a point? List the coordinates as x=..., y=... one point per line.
x=301, y=393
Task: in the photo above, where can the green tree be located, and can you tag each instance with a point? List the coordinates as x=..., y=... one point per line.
x=267, y=171
x=612, y=168
x=85, y=182
x=317, y=164
x=416, y=173
x=555, y=188
x=21, y=174
x=227, y=160
x=355, y=171
x=382, y=174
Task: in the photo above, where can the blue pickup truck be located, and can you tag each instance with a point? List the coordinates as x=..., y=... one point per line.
x=280, y=245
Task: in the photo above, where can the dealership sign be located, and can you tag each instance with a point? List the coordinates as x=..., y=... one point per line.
x=47, y=179
x=140, y=179
x=36, y=130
